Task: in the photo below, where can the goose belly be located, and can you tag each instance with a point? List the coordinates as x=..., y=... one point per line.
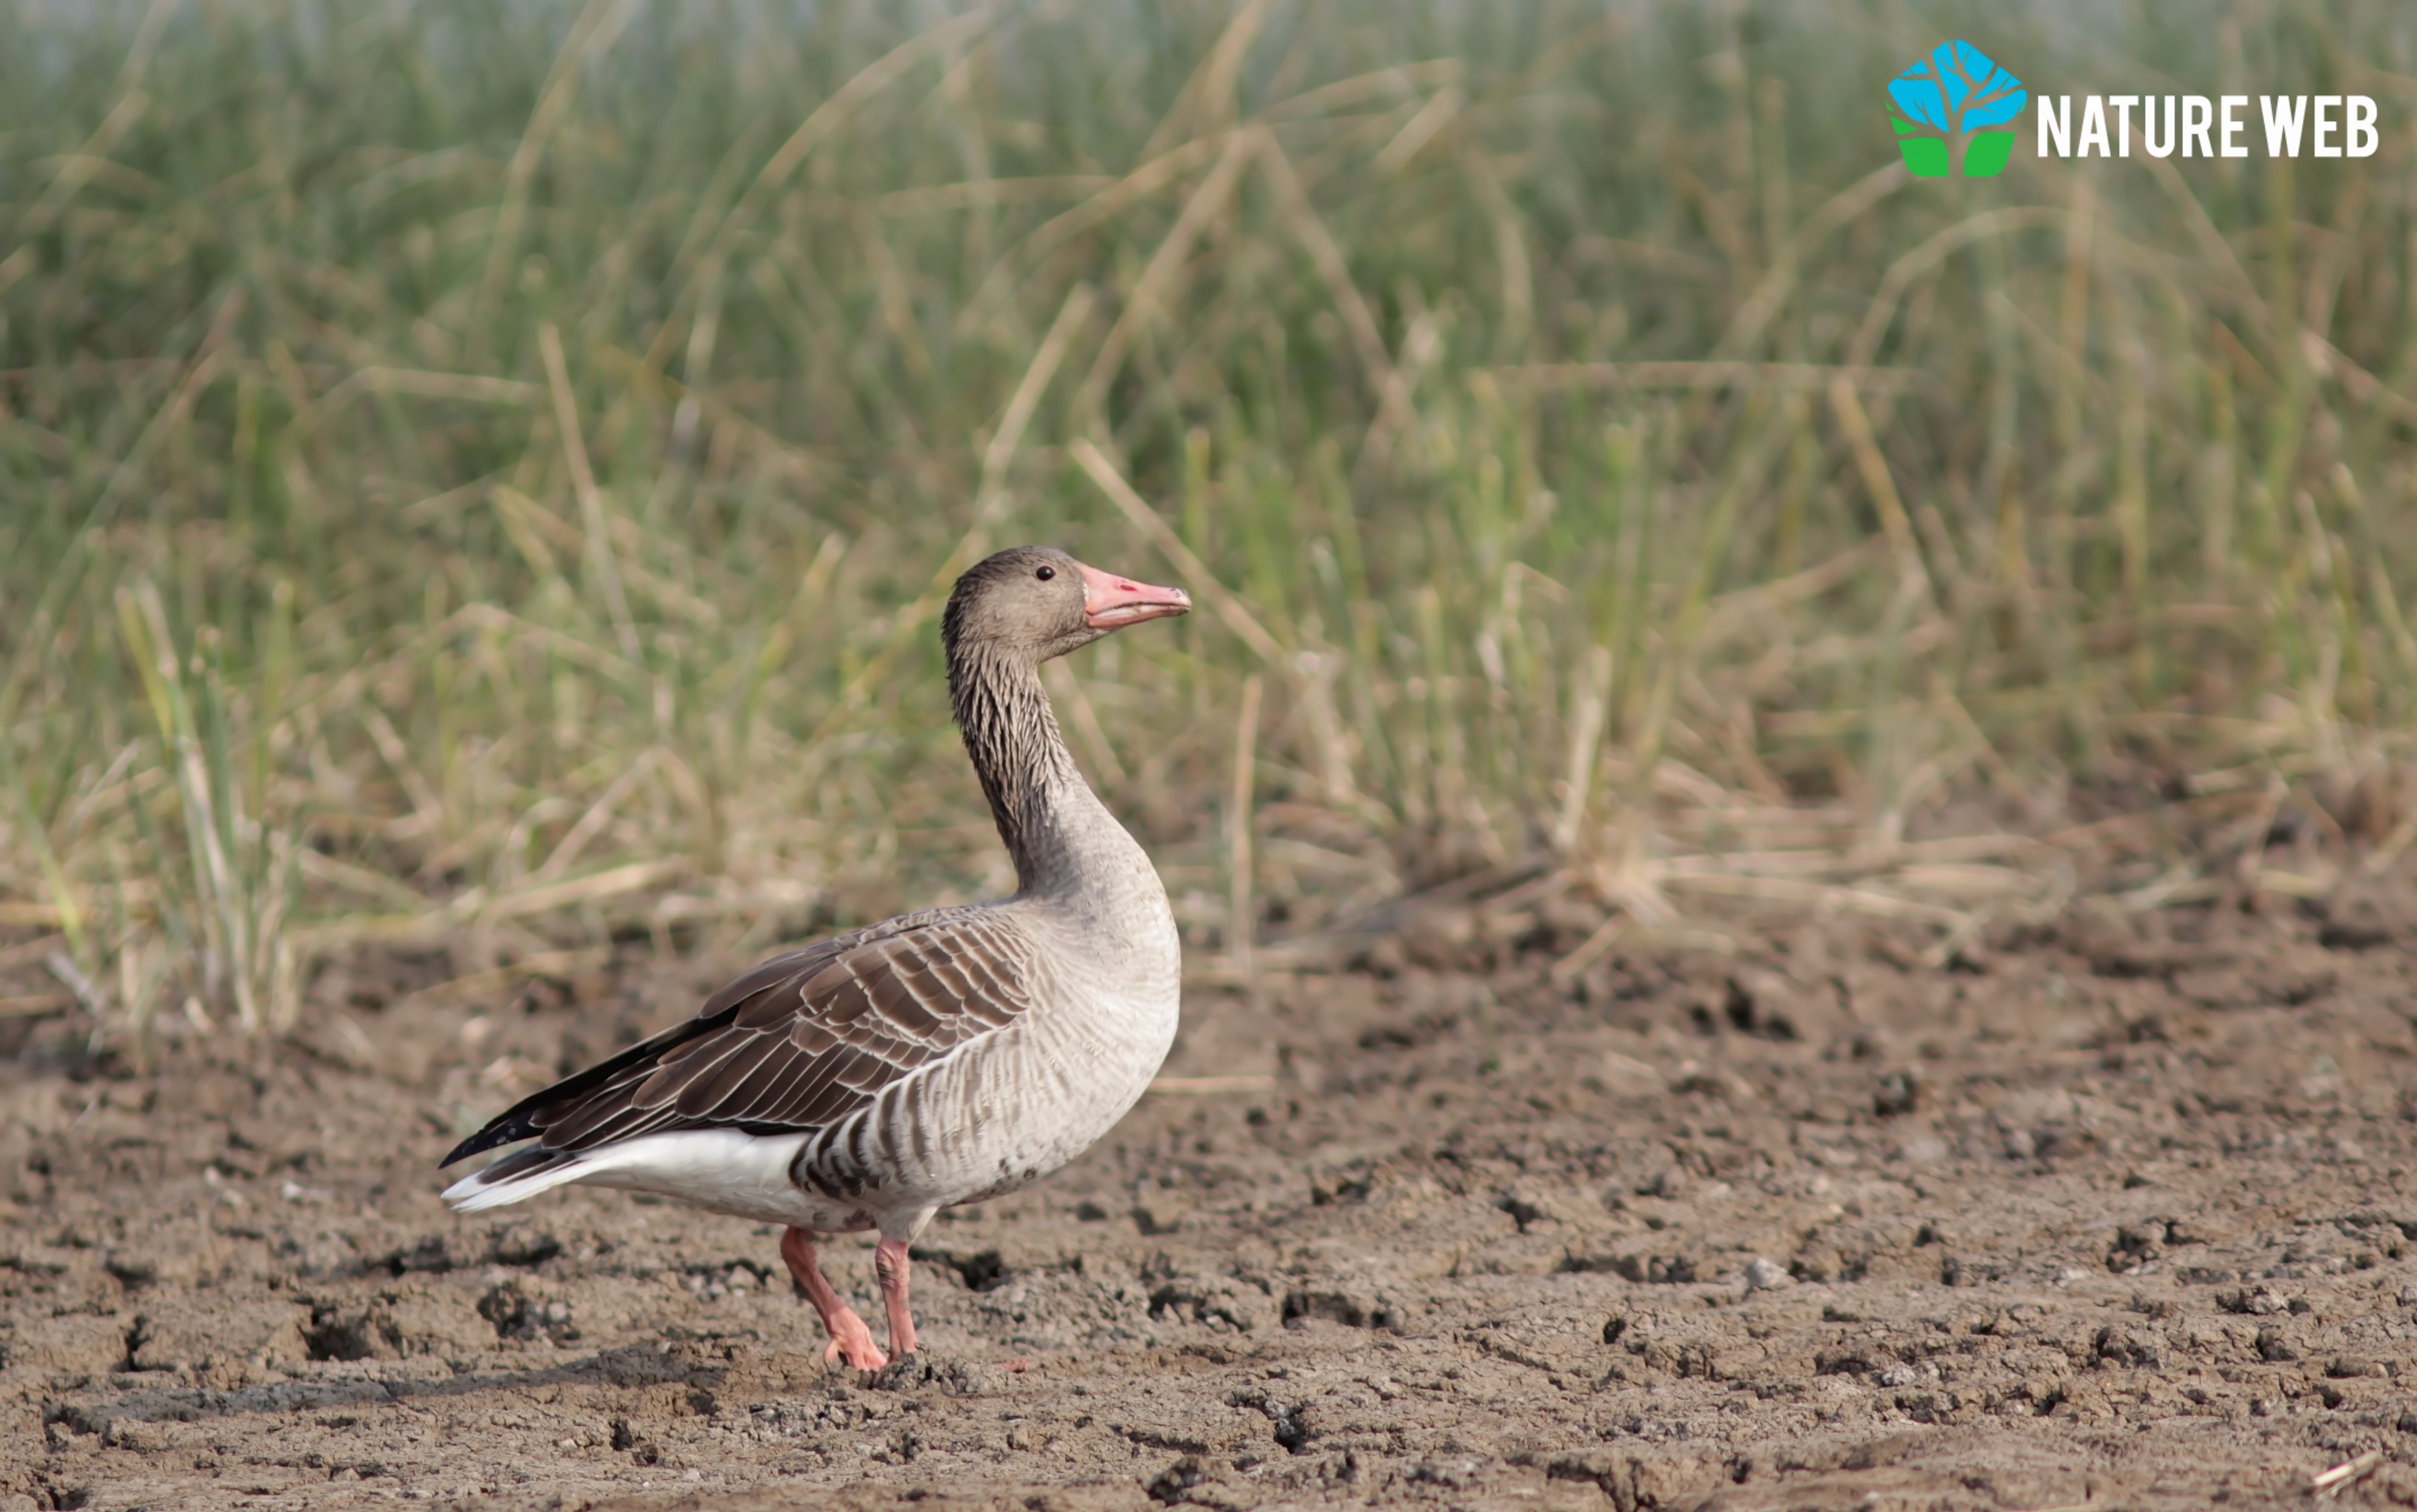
x=1013, y=1110
x=724, y=1171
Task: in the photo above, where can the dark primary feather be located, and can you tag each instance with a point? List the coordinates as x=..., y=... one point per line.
x=517, y=1122
x=797, y=1043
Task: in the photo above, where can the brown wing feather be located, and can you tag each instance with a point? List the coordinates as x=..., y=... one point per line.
x=801, y=1041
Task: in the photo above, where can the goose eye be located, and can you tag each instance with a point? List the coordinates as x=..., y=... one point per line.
x=1046, y=573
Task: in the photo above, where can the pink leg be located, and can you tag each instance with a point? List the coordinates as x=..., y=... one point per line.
x=849, y=1338
x=891, y=1263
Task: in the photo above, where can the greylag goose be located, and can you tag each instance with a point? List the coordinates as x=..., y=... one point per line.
x=948, y=1056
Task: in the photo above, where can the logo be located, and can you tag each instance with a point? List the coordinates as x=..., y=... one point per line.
x=1952, y=102
x=2329, y=126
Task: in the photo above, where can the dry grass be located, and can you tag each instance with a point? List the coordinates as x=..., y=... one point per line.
x=488, y=477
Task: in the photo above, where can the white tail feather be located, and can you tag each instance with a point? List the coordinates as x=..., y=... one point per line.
x=721, y=1170
x=473, y=1193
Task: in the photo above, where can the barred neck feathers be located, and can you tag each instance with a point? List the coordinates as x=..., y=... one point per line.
x=1011, y=737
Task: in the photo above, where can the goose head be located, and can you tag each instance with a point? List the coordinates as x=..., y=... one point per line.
x=1030, y=603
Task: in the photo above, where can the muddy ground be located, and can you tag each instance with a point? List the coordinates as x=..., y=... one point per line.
x=2112, y=1212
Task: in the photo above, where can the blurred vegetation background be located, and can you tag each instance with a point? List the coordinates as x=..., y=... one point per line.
x=485, y=475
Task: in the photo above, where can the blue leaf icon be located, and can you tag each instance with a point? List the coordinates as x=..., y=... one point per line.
x=1917, y=93
x=1939, y=88
x=2000, y=96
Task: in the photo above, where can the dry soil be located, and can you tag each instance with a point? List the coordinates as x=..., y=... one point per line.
x=2112, y=1212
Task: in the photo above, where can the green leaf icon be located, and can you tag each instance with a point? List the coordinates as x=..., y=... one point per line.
x=1924, y=157
x=1986, y=154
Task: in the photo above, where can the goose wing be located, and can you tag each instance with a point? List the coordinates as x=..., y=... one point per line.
x=799, y=1041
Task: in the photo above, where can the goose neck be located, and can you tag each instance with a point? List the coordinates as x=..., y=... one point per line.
x=1038, y=798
